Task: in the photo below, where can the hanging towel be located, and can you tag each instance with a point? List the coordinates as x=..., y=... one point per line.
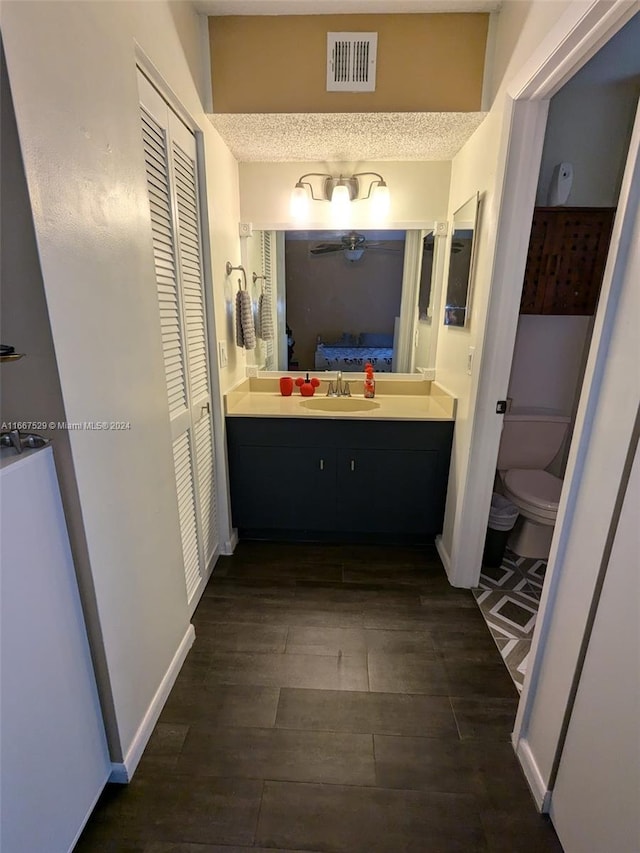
x=245, y=329
x=239, y=335
x=258, y=319
x=265, y=318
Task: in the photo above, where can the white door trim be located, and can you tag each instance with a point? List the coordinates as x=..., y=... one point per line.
x=412, y=268
x=608, y=387
x=577, y=36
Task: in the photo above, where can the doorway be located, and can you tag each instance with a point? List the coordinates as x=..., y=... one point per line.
x=599, y=450
x=587, y=137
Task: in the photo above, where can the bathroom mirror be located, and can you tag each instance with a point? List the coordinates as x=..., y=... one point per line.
x=351, y=296
x=461, y=256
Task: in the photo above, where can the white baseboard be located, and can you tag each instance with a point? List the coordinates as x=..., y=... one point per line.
x=231, y=544
x=444, y=555
x=541, y=794
x=122, y=772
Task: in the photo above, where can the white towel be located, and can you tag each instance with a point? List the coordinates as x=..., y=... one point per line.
x=265, y=318
x=245, y=329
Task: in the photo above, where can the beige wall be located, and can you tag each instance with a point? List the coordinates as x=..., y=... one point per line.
x=328, y=295
x=520, y=28
x=30, y=388
x=73, y=77
x=419, y=193
x=425, y=63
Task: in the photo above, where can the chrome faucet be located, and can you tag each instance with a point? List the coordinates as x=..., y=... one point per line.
x=11, y=439
x=339, y=389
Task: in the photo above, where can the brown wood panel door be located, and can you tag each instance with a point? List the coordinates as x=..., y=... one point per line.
x=566, y=260
x=575, y=273
x=535, y=275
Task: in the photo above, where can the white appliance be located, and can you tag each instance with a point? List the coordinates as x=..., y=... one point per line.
x=53, y=752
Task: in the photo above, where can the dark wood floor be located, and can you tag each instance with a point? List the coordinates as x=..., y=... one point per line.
x=337, y=698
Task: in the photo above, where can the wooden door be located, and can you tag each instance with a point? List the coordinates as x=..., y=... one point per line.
x=566, y=259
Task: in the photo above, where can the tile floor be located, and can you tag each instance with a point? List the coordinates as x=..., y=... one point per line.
x=337, y=700
x=508, y=597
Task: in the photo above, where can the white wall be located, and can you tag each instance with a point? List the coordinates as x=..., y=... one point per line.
x=548, y=361
x=30, y=388
x=519, y=31
x=605, y=427
x=596, y=796
x=474, y=170
x=73, y=78
x=419, y=193
x=590, y=123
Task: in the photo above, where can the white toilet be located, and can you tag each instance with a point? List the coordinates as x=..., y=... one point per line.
x=531, y=438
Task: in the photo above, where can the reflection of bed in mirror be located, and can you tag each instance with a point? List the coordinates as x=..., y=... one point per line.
x=352, y=352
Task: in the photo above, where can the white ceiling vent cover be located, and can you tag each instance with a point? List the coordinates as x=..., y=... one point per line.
x=351, y=62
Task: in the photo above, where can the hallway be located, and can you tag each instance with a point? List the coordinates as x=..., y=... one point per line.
x=337, y=698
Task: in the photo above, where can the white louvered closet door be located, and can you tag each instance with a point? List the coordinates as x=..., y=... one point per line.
x=170, y=158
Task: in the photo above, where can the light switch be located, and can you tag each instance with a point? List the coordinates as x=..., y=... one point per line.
x=470, y=355
x=222, y=353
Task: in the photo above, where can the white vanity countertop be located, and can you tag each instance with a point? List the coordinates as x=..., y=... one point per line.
x=396, y=399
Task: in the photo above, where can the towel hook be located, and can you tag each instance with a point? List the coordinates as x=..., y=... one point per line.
x=230, y=268
x=255, y=277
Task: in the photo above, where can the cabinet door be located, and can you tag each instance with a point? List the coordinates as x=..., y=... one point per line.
x=577, y=261
x=391, y=491
x=283, y=488
x=566, y=259
x=541, y=248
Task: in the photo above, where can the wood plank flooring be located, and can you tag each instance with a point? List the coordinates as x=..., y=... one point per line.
x=338, y=699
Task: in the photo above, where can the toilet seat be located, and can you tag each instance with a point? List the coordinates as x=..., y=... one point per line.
x=537, y=491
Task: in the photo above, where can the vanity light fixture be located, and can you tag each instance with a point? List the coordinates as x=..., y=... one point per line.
x=340, y=191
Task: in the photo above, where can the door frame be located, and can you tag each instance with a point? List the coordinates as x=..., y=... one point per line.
x=577, y=36
x=226, y=538
x=597, y=472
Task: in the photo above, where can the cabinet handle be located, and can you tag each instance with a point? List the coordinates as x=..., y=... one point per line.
x=353, y=465
x=322, y=464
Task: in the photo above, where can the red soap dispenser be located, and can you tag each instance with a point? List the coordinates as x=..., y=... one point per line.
x=307, y=386
x=369, y=382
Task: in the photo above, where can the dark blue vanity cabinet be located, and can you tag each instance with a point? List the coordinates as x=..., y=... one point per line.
x=341, y=479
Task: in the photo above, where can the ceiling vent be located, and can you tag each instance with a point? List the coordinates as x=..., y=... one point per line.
x=351, y=62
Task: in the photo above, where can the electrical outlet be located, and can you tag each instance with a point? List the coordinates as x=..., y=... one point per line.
x=245, y=229
x=470, y=355
x=222, y=353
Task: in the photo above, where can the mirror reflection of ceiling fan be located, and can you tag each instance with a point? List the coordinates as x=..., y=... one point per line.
x=429, y=244
x=354, y=245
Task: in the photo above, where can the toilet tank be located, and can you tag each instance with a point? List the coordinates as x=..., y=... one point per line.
x=531, y=438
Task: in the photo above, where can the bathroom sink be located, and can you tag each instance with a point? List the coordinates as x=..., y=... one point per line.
x=339, y=404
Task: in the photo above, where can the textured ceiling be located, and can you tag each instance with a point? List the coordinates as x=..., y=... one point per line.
x=282, y=137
